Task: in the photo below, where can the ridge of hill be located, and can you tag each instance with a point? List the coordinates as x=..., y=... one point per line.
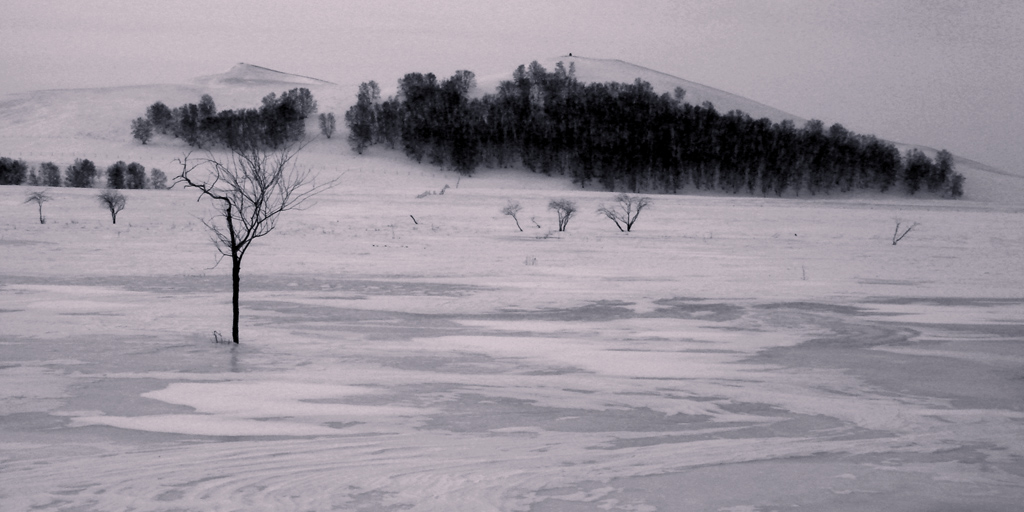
x=589, y=70
x=250, y=74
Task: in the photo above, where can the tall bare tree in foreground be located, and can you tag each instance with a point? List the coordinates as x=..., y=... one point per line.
x=250, y=187
x=626, y=211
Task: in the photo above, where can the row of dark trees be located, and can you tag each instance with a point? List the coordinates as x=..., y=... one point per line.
x=81, y=174
x=279, y=121
x=626, y=136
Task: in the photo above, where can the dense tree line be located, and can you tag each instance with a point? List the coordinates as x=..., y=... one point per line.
x=278, y=121
x=627, y=137
x=83, y=173
x=12, y=172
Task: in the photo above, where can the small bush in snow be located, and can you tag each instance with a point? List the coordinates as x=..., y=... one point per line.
x=565, y=209
x=512, y=209
x=113, y=201
x=39, y=198
x=626, y=211
x=896, y=236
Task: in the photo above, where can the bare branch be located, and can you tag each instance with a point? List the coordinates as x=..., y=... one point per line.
x=250, y=188
x=113, y=201
x=626, y=211
x=565, y=209
x=512, y=209
x=39, y=197
x=896, y=236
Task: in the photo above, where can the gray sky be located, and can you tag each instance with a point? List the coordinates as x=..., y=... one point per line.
x=944, y=73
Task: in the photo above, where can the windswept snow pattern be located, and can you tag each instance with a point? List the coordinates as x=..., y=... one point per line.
x=734, y=354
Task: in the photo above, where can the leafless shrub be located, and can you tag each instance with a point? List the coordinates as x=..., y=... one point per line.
x=112, y=200
x=896, y=236
x=39, y=198
x=626, y=210
x=512, y=209
x=565, y=209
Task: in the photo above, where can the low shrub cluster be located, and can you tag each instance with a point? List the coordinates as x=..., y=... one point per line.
x=624, y=212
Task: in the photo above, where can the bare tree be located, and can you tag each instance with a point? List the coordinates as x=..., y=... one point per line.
x=626, y=211
x=565, y=209
x=896, y=236
x=512, y=209
x=39, y=197
x=113, y=201
x=250, y=188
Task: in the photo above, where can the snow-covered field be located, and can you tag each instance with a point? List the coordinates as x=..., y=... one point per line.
x=731, y=354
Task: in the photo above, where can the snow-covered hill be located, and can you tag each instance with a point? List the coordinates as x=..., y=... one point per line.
x=61, y=125
x=252, y=75
x=590, y=70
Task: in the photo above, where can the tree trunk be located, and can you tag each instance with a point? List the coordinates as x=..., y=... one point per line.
x=236, y=278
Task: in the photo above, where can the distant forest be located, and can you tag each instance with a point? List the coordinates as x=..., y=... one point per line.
x=278, y=121
x=623, y=136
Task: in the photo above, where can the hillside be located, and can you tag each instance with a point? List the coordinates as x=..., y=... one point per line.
x=61, y=125
x=612, y=70
x=252, y=75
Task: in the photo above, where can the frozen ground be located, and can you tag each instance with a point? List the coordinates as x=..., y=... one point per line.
x=732, y=354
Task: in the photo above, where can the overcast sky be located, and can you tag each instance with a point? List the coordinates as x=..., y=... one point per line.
x=944, y=73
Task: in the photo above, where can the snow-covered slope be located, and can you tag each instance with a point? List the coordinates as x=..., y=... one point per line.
x=458, y=364
x=612, y=70
x=249, y=74
x=61, y=125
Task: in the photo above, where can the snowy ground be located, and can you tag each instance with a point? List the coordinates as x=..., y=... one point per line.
x=732, y=354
